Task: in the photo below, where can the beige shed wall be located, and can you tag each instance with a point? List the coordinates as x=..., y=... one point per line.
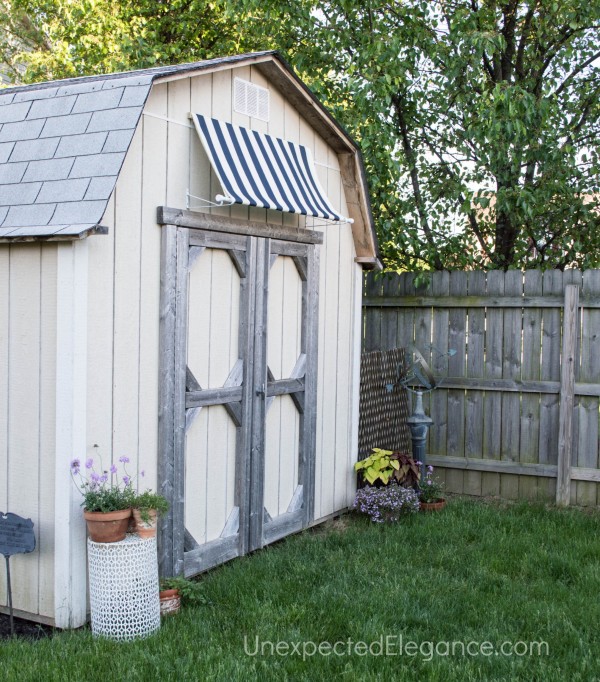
x=28, y=288
x=164, y=161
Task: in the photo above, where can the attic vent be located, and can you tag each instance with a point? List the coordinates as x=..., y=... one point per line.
x=250, y=99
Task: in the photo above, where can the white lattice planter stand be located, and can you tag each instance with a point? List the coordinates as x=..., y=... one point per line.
x=124, y=588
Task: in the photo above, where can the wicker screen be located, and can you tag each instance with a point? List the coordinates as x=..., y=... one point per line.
x=383, y=413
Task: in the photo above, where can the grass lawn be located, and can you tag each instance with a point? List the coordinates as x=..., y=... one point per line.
x=475, y=573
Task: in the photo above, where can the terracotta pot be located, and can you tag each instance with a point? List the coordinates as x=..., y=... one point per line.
x=145, y=529
x=170, y=602
x=436, y=505
x=107, y=526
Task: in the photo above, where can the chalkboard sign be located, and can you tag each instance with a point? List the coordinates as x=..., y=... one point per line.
x=16, y=535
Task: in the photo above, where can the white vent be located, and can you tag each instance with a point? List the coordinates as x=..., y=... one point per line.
x=250, y=99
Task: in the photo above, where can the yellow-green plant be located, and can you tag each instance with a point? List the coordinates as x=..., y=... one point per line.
x=382, y=465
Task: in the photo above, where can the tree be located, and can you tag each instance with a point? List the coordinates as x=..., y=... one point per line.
x=68, y=38
x=479, y=121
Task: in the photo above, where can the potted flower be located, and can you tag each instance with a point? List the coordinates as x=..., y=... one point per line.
x=386, y=504
x=176, y=591
x=431, y=492
x=107, y=499
x=146, y=507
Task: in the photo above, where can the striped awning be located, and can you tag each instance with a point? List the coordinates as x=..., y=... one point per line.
x=255, y=169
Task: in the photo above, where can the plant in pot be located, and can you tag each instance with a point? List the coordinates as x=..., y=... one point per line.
x=431, y=492
x=382, y=466
x=387, y=503
x=389, y=487
x=176, y=591
x=107, y=499
x=146, y=508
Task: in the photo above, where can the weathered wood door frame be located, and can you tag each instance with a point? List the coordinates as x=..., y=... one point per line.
x=183, y=235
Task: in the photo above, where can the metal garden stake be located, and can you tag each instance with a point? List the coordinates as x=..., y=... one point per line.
x=418, y=379
x=16, y=537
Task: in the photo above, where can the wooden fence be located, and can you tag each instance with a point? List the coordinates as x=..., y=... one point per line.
x=517, y=412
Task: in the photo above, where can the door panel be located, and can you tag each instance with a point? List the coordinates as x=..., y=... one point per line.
x=217, y=397
x=281, y=455
x=248, y=312
x=210, y=473
x=213, y=327
x=289, y=433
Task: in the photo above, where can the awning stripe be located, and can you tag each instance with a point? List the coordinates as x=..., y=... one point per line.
x=256, y=169
x=269, y=189
x=296, y=172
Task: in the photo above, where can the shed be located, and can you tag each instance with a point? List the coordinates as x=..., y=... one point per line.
x=181, y=257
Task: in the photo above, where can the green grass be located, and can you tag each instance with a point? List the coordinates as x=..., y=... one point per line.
x=474, y=572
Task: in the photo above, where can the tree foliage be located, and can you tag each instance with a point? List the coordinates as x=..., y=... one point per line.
x=69, y=38
x=478, y=119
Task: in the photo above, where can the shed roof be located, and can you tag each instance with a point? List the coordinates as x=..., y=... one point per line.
x=62, y=143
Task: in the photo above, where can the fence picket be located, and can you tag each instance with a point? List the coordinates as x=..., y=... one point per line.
x=389, y=316
x=440, y=287
x=492, y=405
x=475, y=370
x=588, y=407
x=372, y=333
x=530, y=403
x=511, y=369
x=575, y=277
x=457, y=339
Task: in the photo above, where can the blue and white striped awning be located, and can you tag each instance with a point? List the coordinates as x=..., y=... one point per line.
x=255, y=169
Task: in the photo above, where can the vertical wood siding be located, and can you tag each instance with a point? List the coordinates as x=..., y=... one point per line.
x=28, y=275
x=164, y=161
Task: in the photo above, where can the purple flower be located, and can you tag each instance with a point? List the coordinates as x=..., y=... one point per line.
x=94, y=477
x=386, y=504
x=126, y=480
x=103, y=478
x=89, y=463
x=75, y=464
x=430, y=468
x=124, y=460
x=113, y=469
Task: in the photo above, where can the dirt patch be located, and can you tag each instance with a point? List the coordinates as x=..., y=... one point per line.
x=24, y=629
x=338, y=524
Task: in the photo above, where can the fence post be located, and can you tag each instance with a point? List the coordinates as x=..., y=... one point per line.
x=567, y=391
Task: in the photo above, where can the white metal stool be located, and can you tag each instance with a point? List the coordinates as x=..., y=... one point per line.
x=124, y=588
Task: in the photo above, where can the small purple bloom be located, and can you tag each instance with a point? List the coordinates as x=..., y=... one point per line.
x=103, y=478
x=142, y=473
x=75, y=464
x=94, y=477
x=126, y=480
x=124, y=460
x=113, y=469
x=89, y=463
x=430, y=468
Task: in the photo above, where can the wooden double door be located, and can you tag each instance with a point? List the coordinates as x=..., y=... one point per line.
x=242, y=313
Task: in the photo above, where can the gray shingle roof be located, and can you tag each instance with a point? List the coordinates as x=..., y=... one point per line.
x=62, y=145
